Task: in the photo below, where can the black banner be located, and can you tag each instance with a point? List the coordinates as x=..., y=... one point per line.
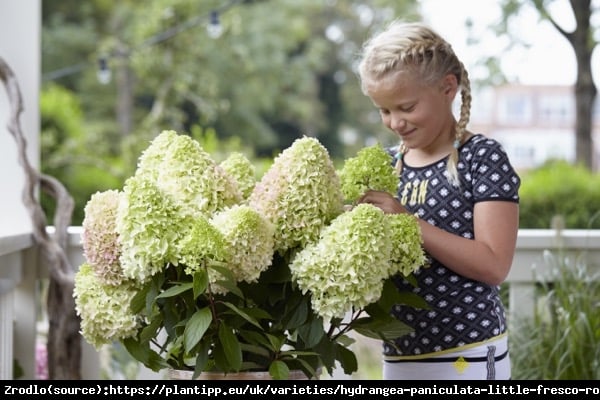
x=339, y=388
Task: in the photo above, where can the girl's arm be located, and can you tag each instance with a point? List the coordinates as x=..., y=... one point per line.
x=486, y=258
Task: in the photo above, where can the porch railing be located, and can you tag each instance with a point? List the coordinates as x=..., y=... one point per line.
x=21, y=272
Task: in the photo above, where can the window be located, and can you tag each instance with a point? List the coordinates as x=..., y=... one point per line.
x=515, y=109
x=556, y=109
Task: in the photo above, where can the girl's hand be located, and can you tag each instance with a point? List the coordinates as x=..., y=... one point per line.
x=383, y=200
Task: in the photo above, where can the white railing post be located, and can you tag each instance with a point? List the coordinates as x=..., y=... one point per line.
x=530, y=266
x=6, y=334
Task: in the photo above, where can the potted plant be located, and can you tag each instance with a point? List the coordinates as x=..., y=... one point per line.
x=196, y=265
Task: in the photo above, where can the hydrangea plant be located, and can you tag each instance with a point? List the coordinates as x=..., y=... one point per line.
x=193, y=265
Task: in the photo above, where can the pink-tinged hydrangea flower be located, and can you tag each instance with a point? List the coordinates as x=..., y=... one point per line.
x=242, y=171
x=249, y=237
x=346, y=267
x=300, y=193
x=150, y=225
x=188, y=174
x=372, y=169
x=41, y=361
x=104, y=309
x=407, y=250
x=100, y=238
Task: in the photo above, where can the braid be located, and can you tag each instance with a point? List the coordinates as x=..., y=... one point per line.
x=402, y=149
x=461, y=125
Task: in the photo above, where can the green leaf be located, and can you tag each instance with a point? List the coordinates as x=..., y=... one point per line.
x=200, y=283
x=312, y=333
x=347, y=359
x=279, y=370
x=149, y=332
x=231, y=287
x=413, y=300
x=144, y=354
x=138, y=302
x=201, y=358
x=223, y=270
x=388, y=329
x=276, y=341
x=176, y=290
x=242, y=314
x=297, y=317
x=231, y=347
x=391, y=296
x=311, y=371
x=255, y=349
x=258, y=338
x=196, y=327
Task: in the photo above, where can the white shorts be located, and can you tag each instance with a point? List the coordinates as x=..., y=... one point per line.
x=487, y=361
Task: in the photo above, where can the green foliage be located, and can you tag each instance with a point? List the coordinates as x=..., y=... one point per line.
x=65, y=151
x=231, y=332
x=560, y=189
x=562, y=340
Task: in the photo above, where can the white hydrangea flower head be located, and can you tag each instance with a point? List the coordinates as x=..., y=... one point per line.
x=242, y=171
x=346, y=267
x=104, y=309
x=249, y=236
x=300, y=193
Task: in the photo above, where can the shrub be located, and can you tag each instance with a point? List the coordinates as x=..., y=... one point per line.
x=562, y=340
x=560, y=189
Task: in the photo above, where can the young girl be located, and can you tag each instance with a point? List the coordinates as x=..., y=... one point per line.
x=464, y=192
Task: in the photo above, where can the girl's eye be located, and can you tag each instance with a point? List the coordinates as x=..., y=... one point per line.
x=408, y=109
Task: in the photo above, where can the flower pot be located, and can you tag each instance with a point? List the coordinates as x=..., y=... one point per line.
x=175, y=374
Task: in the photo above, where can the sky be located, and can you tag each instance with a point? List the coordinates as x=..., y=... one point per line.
x=549, y=60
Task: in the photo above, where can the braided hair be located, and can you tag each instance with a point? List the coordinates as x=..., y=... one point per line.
x=417, y=48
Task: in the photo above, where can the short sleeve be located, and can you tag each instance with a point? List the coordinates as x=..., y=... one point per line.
x=493, y=176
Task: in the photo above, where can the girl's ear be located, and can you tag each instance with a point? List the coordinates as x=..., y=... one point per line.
x=450, y=86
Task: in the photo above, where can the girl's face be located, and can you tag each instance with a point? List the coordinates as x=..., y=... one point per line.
x=421, y=115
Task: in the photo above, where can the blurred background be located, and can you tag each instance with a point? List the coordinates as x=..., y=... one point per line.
x=254, y=75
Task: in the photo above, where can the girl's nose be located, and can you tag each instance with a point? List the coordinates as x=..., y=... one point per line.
x=398, y=123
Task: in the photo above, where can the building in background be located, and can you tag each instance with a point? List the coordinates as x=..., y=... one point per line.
x=533, y=123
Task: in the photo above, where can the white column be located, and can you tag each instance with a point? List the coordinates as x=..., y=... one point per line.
x=20, y=27
x=6, y=335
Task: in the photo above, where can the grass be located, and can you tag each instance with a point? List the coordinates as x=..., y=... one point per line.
x=562, y=340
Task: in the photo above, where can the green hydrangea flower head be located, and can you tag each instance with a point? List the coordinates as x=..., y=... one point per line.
x=346, y=267
x=104, y=309
x=149, y=225
x=201, y=243
x=408, y=254
x=99, y=236
x=300, y=193
x=152, y=157
x=250, y=240
x=370, y=169
x=188, y=174
x=242, y=171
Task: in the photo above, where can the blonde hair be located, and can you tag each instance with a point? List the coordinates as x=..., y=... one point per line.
x=417, y=48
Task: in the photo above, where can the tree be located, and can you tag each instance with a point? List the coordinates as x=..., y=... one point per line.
x=583, y=42
x=64, y=340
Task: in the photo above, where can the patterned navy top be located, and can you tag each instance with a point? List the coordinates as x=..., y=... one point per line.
x=463, y=311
